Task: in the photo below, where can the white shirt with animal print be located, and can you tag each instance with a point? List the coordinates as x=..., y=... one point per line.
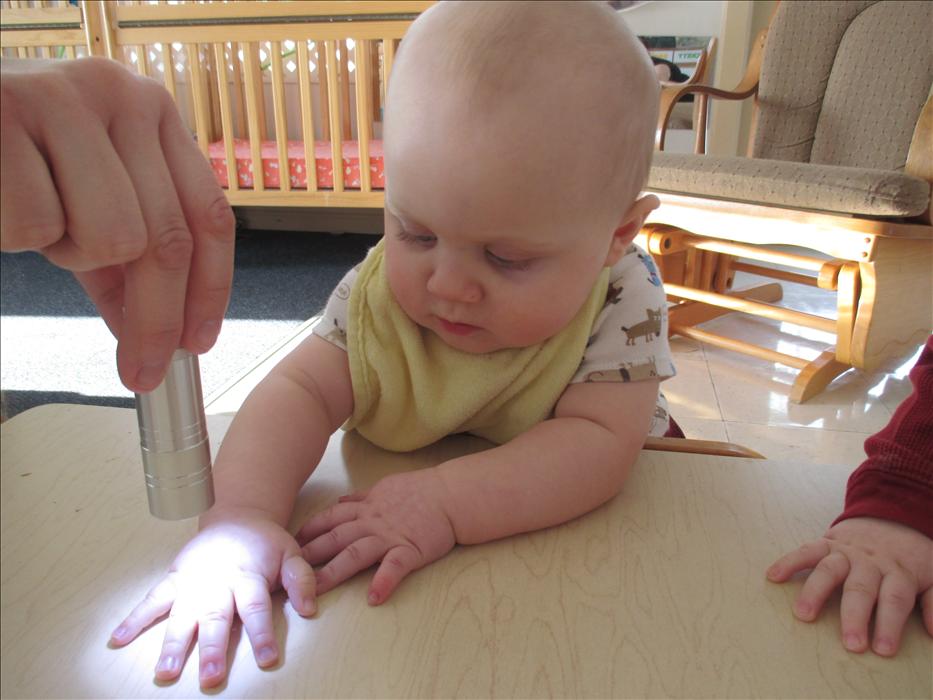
x=628, y=342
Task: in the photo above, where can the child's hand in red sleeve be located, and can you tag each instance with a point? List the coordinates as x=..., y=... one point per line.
x=877, y=563
x=401, y=522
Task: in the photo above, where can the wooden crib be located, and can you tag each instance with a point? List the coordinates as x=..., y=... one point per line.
x=294, y=86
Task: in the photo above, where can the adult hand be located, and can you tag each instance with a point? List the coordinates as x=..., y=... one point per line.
x=235, y=560
x=101, y=176
x=400, y=521
x=876, y=562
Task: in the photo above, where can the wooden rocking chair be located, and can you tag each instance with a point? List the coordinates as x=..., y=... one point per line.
x=839, y=167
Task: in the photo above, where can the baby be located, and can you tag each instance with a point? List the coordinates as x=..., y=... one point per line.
x=506, y=300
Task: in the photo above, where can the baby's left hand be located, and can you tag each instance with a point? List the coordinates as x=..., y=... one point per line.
x=401, y=521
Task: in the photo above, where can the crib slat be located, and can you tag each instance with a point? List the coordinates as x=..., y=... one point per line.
x=142, y=60
x=168, y=69
x=278, y=110
x=70, y=52
x=388, y=58
x=226, y=118
x=238, y=89
x=323, y=69
x=197, y=94
x=336, y=142
x=363, y=119
x=307, y=121
x=260, y=104
x=344, y=89
x=253, y=95
x=210, y=89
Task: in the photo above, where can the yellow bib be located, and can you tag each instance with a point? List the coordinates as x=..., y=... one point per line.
x=411, y=389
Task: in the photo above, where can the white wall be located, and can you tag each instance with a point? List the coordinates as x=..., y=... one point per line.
x=673, y=18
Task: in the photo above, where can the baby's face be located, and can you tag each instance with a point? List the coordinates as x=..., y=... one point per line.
x=484, y=257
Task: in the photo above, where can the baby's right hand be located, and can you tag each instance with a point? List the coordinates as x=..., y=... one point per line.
x=236, y=559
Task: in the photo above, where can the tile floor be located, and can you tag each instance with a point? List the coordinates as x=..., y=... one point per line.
x=726, y=396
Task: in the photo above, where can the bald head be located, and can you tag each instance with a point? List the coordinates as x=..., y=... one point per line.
x=562, y=88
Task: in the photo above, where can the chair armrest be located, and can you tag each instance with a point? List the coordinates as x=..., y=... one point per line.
x=747, y=87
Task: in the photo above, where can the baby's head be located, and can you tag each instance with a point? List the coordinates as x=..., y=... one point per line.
x=518, y=136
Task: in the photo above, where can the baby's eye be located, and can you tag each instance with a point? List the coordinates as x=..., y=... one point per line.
x=416, y=238
x=507, y=264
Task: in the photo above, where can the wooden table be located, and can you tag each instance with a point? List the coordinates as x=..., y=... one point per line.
x=660, y=593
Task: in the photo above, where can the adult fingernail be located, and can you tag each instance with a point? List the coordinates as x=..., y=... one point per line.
x=852, y=642
x=119, y=633
x=265, y=656
x=150, y=375
x=884, y=646
x=207, y=334
x=210, y=669
x=804, y=610
x=309, y=606
x=373, y=599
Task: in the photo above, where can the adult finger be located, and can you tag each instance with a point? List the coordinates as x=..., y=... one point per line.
x=103, y=219
x=105, y=288
x=300, y=584
x=828, y=575
x=157, y=602
x=325, y=547
x=156, y=283
x=326, y=520
x=212, y=224
x=254, y=606
x=396, y=565
x=804, y=557
x=31, y=215
x=356, y=557
x=353, y=497
x=896, y=601
x=214, y=625
x=859, y=593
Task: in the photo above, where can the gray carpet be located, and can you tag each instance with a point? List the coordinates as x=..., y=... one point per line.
x=55, y=349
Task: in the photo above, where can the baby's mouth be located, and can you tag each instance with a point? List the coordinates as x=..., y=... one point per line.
x=457, y=328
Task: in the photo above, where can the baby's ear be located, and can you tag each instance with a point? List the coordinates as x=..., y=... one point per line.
x=631, y=224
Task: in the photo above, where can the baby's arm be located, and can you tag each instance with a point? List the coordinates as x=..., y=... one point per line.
x=242, y=550
x=561, y=468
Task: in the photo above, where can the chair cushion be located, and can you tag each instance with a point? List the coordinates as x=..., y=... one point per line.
x=788, y=184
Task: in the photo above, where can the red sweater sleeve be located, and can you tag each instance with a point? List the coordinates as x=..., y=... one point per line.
x=895, y=482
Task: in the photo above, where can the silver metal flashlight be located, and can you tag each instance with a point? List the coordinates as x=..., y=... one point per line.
x=175, y=447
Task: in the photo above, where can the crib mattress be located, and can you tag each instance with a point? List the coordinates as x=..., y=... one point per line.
x=297, y=172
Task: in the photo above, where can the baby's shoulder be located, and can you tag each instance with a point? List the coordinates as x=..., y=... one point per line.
x=633, y=275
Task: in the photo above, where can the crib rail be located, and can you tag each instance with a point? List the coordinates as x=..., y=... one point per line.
x=284, y=98
x=43, y=29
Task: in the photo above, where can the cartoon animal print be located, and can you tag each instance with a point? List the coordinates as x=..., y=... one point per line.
x=342, y=292
x=613, y=294
x=660, y=413
x=606, y=375
x=645, y=329
x=653, y=275
x=636, y=372
x=337, y=335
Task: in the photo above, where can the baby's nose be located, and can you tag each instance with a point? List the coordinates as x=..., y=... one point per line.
x=451, y=282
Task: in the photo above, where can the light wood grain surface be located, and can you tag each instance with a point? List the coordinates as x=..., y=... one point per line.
x=660, y=593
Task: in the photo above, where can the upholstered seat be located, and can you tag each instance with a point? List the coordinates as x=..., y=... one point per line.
x=840, y=165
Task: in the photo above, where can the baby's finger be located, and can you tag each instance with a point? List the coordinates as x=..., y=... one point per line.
x=326, y=520
x=251, y=595
x=396, y=565
x=157, y=602
x=179, y=632
x=356, y=557
x=805, y=557
x=327, y=546
x=926, y=602
x=896, y=601
x=213, y=636
x=300, y=583
x=828, y=575
x=859, y=594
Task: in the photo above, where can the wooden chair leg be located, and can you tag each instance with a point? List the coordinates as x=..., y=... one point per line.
x=816, y=376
